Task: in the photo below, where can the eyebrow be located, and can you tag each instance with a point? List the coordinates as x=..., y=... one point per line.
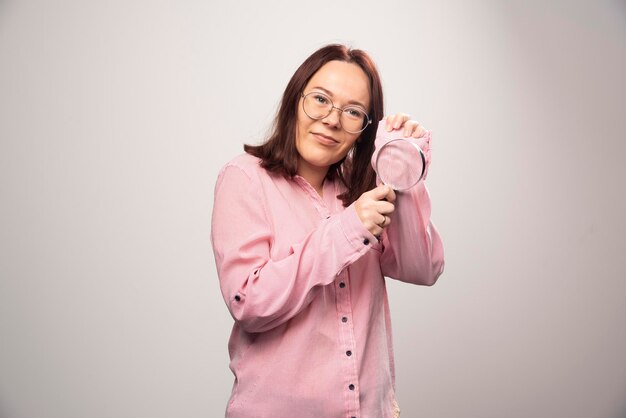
x=330, y=93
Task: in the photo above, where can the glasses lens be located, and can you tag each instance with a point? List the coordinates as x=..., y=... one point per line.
x=353, y=119
x=317, y=105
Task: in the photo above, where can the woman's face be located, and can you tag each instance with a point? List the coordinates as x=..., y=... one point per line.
x=323, y=142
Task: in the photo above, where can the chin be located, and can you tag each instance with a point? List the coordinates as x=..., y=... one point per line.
x=319, y=162
x=319, y=158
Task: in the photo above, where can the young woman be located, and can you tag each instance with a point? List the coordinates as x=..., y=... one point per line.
x=303, y=240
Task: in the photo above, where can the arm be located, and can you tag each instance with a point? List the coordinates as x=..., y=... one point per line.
x=413, y=250
x=262, y=293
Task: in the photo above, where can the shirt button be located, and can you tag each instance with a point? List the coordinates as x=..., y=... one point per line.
x=351, y=387
x=344, y=319
x=237, y=298
x=366, y=241
x=342, y=285
x=348, y=353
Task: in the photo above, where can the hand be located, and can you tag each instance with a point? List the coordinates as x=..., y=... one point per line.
x=411, y=127
x=375, y=208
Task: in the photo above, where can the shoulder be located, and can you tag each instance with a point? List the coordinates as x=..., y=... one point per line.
x=245, y=162
x=246, y=168
x=249, y=164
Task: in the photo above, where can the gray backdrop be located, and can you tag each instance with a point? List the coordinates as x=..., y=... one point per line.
x=115, y=117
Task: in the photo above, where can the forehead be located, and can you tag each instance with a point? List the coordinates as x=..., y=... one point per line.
x=346, y=81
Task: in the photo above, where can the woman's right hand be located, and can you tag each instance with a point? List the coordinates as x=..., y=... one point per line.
x=375, y=208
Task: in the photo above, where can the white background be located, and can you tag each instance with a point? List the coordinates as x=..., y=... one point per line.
x=115, y=117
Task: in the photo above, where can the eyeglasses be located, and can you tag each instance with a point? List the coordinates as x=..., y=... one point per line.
x=354, y=119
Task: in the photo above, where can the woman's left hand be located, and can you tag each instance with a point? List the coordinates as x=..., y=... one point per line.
x=402, y=120
x=411, y=129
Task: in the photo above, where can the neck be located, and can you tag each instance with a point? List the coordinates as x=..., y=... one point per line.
x=313, y=175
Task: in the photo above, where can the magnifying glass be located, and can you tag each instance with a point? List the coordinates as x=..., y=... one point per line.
x=400, y=164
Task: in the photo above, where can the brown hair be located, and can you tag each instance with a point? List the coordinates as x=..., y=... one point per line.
x=278, y=153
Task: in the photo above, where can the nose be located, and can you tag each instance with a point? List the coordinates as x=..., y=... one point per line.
x=332, y=119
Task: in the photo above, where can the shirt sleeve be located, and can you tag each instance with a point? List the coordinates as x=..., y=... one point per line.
x=412, y=246
x=260, y=292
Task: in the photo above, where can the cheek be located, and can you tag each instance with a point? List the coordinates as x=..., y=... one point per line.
x=350, y=142
x=345, y=149
x=300, y=129
x=301, y=125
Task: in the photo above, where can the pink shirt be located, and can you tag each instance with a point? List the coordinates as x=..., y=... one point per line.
x=304, y=281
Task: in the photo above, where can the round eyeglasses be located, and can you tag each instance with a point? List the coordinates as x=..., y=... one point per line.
x=354, y=119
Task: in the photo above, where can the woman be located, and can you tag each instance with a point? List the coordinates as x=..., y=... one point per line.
x=303, y=239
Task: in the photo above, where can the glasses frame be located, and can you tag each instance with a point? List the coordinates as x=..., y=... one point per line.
x=332, y=106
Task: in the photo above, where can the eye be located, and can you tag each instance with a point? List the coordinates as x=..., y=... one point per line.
x=354, y=112
x=321, y=99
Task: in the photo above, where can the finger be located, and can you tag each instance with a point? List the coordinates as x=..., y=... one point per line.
x=419, y=132
x=374, y=228
x=410, y=127
x=383, y=193
x=391, y=196
x=380, y=192
x=389, y=123
x=399, y=120
x=382, y=207
x=387, y=194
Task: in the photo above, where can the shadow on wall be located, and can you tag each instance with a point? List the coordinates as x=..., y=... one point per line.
x=3, y=411
x=4, y=8
x=621, y=6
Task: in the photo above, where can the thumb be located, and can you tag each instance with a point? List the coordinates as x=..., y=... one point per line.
x=381, y=192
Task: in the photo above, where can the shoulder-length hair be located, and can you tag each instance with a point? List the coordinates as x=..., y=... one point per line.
x=278, y=153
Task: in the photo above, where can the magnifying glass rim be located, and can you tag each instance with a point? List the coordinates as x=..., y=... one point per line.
x=421, y=155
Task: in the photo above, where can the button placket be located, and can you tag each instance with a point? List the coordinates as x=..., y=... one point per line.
x=314, y=197
x=346, y=330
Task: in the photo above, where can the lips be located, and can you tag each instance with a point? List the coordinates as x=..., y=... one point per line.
x=325, y=139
